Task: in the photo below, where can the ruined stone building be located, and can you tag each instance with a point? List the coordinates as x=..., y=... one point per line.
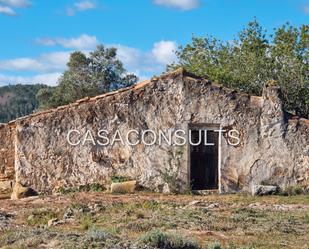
x=273, y=145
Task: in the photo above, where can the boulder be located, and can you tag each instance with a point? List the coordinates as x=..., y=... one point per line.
x=264, y=190
x=19, y=191
x=123, y=187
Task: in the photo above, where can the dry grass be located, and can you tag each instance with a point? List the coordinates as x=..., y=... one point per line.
x=216, y=221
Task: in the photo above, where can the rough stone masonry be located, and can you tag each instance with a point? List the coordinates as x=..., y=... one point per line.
x=273, y=146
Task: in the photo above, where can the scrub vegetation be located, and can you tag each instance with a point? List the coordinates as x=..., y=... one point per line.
x=149, y=220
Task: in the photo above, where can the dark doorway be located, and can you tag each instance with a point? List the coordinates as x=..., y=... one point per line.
x=204, y=160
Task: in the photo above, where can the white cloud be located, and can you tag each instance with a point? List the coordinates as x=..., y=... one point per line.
x=179, y=4
x=16, y=3
x=84, y=41
x=48, y=62
x=54, y=61
x=139, y=62
x=7, y=6
x=48, y=79
x=46, y=67
x=19, y=64
x=128, y=55
x=7, y=11
x=85, y=5
x=46, y=41
x=80, y=6
x=164, y=51
x=146, y=64
x=306, y=9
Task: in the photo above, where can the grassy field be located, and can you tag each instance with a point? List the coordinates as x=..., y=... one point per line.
x=144, y=220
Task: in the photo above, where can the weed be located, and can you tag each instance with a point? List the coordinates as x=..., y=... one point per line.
x=86, y=222
x=40, y=217
x=81, y=207
x=97, y=235
x=158, y=239
x=306, y=219
x=113, y=230
x=93, y=187
x=293, y=190
x=141, y=225
x=215, y=245
x=116, y=179
x=151, y=205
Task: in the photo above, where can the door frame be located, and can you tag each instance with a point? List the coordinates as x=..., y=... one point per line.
x=204, y=126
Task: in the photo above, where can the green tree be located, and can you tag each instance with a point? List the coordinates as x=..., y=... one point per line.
x=98, y=73
x=43, y=96
x=18, y=100
x=252, y=59
x=290, y=56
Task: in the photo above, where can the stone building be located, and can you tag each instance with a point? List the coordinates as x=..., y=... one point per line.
x=272, y=145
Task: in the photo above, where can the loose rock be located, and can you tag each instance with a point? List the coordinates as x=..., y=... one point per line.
x=264, y=190
x=19, y=191
x=123, y=187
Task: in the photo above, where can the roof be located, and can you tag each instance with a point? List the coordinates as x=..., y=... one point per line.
x=173, y=74
x=134, y=87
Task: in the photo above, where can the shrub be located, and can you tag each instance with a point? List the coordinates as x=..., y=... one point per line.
x=306, y=219
x=117, y=179
x=96, y=187
x=86, y=222
x=41, y=217
x=158, y=239
x=215, y=245
x=62, y=190
x=97, y=235
x=293, y=190
x=252, y=59
x=151, y=205
x=93, y=187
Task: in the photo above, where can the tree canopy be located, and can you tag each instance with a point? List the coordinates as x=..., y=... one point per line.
x=91, y=75
x=18, y=100
x=252, y=59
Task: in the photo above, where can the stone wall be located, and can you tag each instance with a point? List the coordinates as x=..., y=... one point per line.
x=7, y=155
x=273, y=148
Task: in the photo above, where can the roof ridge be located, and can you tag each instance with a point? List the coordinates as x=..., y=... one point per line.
x=172, y=74
x=87, y=99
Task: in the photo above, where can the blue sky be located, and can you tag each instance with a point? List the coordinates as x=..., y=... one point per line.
x=37, y=36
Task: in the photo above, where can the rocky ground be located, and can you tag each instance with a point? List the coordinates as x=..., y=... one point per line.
x=146, y=220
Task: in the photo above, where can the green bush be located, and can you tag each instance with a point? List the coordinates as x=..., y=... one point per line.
x=93, y=187
x=86, y=222
x=41, y=217
x=293, y=190
x=254, y=57
x=158, y=239
x=306, y=219
x=97, y=235
x=116, y=179
x=215, y=245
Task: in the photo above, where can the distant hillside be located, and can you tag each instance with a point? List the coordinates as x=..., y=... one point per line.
x=17, y=101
